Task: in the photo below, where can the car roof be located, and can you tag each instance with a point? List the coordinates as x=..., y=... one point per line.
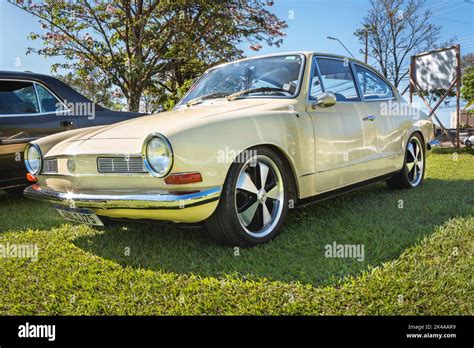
x=63, y=91
x=305, y=53
x=21, y=74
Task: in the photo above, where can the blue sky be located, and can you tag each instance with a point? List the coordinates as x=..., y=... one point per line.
x=309, y=22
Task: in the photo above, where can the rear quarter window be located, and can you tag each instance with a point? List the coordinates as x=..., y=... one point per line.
x=18, y=97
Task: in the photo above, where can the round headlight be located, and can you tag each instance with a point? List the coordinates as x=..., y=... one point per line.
x=33, y=158
x=157, y=155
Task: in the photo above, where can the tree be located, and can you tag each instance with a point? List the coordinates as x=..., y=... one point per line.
x=95, y=88
x=436, y=94
x=396, y=30
x=467, y=89
x=467, y=62
x=135, y=43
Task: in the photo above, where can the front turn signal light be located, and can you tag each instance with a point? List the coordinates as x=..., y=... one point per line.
x=31, y=178
x=183, y=178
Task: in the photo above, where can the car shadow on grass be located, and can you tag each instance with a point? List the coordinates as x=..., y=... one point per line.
x=382, y=221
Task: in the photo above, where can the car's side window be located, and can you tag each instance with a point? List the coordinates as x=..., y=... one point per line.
x=18, y=97
x=316, y=87
x=337, y=78
x=371, y=85
x=49, y=103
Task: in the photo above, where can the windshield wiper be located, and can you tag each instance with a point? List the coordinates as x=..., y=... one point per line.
x=233, y=95
x=255, y=90
x=207, y=96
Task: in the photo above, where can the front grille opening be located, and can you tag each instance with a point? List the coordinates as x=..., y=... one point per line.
x=125, y=164
x=50, y=166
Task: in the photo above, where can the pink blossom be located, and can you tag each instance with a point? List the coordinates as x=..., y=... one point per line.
x=110, y=9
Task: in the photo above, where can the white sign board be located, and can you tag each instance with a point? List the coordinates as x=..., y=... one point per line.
x=435, y=70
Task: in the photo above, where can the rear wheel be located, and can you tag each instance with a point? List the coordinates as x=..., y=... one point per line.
x=252, y=208
x=413, y=171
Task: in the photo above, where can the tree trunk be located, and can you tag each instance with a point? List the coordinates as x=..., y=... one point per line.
x=133, y=100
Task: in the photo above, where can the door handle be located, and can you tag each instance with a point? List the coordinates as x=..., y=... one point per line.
x=369, y=118
x=66, y=123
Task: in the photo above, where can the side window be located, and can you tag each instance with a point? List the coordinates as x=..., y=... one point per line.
x=337, y=78
x=18, y=97
x=316, y=87
x=371, y=85
x=49, y=103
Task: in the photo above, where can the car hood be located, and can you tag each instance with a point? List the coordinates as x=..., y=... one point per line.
x=131, y=133
x=170, y=122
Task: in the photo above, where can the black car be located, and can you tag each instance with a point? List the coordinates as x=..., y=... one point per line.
x=35, y=105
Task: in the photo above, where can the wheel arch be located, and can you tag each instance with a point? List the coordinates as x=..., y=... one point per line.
x=417, y=131
x=293, y=189
x=281, y=153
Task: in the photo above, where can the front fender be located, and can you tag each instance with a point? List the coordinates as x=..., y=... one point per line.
x=211, y=148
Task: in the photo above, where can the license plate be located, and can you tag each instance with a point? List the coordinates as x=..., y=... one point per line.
x=83, y=216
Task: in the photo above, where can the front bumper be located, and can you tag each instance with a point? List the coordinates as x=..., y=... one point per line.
x=125, y=200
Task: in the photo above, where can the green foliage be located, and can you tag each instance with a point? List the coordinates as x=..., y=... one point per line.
x=467, y=63
x=467, y=89
x=95, y=88
x=435, y=94
x=418, y=259
x=139, y=44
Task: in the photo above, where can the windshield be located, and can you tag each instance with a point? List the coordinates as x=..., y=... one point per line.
x=276, y=76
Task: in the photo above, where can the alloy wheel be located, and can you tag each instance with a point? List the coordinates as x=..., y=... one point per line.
x=259, y=196
x=414, y=161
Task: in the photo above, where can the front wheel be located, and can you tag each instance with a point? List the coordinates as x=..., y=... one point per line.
x=252, y=208
x=413, y=171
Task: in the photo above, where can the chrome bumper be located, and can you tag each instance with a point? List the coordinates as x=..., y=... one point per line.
x=124, y=200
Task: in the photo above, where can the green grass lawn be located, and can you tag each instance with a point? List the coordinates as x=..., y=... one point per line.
x=418, y=258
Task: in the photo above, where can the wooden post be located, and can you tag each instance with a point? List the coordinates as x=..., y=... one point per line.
x=458, y=93
x=433, y=112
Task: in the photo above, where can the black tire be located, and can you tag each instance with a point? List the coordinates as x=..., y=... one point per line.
x=226, y=225
x=405, y=178
x=467, y=143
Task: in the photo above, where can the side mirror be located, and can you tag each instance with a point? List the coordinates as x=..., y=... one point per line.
x=326, y=100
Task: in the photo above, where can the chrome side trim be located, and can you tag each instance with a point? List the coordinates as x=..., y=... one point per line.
x=125, y=200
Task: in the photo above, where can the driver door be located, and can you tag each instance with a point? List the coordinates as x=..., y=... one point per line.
x=342, y=147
